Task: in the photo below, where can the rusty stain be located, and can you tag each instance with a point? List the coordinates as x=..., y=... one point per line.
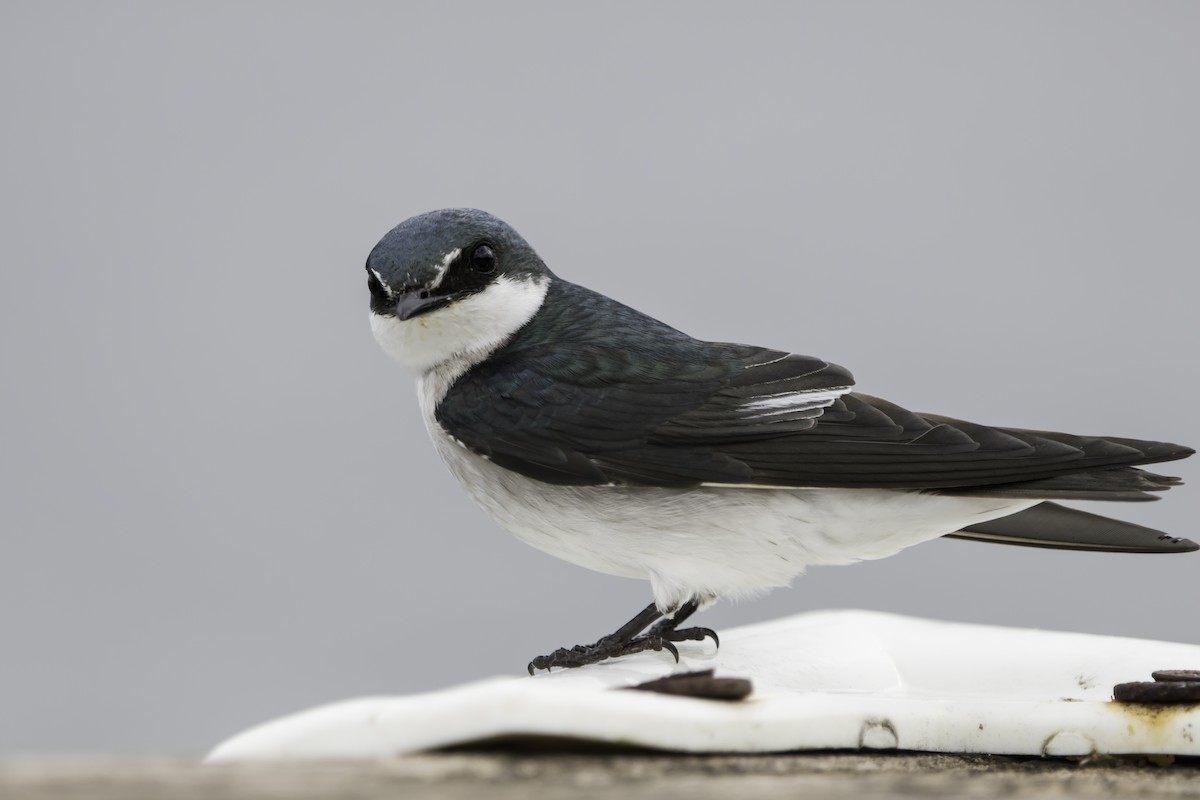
x=1162, y=725
x=1153, y=713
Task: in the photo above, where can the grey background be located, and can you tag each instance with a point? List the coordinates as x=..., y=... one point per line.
x=219, y=503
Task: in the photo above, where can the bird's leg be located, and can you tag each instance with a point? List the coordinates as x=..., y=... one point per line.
x=626, y=641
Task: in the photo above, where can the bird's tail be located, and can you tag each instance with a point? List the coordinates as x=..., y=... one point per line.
x=1054, y=526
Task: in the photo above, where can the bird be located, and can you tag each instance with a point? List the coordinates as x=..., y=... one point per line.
x=611, y=440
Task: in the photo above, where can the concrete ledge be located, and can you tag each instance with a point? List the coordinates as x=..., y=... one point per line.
x=509, y=774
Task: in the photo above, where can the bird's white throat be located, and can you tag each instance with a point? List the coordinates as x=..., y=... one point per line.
x=464, y=332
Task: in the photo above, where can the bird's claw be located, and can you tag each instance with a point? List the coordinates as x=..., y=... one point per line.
x=650, y=642
x=693, y=635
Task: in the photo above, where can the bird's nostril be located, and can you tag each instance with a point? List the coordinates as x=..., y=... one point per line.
x=424, y=294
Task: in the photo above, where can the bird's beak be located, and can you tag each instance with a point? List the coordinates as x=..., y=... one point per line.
x=414, y=302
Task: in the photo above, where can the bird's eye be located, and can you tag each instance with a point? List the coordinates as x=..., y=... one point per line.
x=378, y=290
x=483, y=259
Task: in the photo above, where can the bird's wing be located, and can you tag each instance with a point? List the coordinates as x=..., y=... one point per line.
x=763, y=418
x=596, y=415
x=765, y=394
x=593, y=392
x=864, y=441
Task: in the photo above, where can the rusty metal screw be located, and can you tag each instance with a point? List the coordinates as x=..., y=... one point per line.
x=1169, y=686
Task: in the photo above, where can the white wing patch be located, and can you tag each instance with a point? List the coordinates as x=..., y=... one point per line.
x=788, y=402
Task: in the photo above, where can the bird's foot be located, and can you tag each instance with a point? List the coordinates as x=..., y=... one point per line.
x=583, y=654
x=661, y=636
x=665, y=629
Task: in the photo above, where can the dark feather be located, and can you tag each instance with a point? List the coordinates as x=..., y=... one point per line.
x=593, y=392
x=1052, y=525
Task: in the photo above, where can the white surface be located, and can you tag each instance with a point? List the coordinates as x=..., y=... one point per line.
x=824, y=680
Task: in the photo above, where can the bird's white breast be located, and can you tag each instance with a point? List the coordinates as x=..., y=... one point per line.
x=709, y=541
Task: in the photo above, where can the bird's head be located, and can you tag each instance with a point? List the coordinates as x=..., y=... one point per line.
x=450, y=284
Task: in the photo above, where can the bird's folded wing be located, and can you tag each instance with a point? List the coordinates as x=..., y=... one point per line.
x=594, y=415
x=739, y=415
